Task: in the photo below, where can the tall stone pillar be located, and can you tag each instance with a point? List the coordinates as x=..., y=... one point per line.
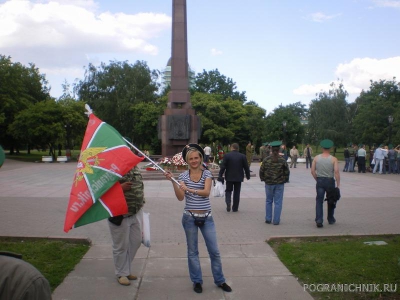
x=179, y=125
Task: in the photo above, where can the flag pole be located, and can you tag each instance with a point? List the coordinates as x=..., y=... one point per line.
x=152, y=161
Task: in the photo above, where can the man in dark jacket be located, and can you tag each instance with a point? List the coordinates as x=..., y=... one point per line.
x=234, y=165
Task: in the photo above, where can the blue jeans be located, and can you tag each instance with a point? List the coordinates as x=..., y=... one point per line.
x=323, y=185
x=346, y=166
x=351, y=164
x=210, y=237
x=392, y=166
x=398, y=166
x=274, y=194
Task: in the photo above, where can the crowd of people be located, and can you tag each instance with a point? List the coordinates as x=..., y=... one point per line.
x=384, y=159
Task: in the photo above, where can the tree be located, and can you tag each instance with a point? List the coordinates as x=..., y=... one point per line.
x=43, y=124
x=293, y=132
x=113, y=90
x=373, y=109
x=328, y=116
x=212, y=82
x=20, y=88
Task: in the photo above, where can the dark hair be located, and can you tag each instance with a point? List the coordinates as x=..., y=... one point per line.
x=235, y=146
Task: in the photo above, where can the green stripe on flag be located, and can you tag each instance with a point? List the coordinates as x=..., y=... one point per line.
x=95, y=213
x=106, y=136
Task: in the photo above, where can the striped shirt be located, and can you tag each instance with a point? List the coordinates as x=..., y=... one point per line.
x=193, y=201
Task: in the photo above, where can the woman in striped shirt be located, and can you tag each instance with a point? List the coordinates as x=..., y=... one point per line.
x=194, y=186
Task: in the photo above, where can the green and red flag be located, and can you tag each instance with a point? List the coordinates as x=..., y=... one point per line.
x=96, y=193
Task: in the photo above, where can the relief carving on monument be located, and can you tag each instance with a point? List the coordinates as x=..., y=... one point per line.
x=179, y=127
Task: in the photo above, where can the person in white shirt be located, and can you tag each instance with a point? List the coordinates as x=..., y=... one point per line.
x=207, y=153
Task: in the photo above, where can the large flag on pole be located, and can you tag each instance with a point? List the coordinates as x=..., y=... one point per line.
x=96, y=193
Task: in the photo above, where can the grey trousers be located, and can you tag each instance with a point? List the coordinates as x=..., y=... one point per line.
x=126, y=241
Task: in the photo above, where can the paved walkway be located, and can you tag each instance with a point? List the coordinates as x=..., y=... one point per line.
x=34, y=197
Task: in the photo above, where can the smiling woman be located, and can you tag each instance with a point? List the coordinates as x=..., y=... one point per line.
x=194, y=187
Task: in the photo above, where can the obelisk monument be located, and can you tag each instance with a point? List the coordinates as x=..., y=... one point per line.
x=179, y=125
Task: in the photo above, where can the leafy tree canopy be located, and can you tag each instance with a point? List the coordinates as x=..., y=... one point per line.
x=213, y=82
x=373, y=107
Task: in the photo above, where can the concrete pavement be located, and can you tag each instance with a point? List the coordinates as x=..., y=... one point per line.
x=34, y=197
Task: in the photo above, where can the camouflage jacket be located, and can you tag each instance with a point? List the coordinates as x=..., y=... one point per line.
x=135, y=196
x=274, y=172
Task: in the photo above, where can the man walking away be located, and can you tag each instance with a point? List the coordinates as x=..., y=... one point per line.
x=234, y=165
x=275, y=173
x=325, y=170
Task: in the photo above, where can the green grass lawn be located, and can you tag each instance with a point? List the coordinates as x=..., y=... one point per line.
x=55, y=259
x=343, y=260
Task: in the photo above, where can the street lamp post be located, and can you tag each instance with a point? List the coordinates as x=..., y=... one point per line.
x=390, y=119
x=284, y=132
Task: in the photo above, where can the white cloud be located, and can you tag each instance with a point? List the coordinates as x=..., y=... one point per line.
x=215, y=52
x=62, y=36
x=356, y=75
x=321, y=17
x=387, y=3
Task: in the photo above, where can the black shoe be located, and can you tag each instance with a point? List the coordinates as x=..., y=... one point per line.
x=197, y=288
x=235, y=210
x=276, y=223
x=319, y=225
x=268, y=222
x=225, y=287
x=228, y=208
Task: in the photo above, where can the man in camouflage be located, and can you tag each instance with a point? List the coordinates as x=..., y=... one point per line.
x=126, y=231
x=274, y=171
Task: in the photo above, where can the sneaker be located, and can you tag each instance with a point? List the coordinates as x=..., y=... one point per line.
x=225, y=287
x=132, y=277
x=197, y=288
x=268, y=222
x=123, y=280
x=319, y=225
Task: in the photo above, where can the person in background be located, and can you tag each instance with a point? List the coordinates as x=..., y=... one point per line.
x=362, y=154
x=352, y=154
x=249, y=153
x=233, y=166
x=275, y=173
x=392, y=155
x=398, y=158
x=194, y=188
x=207, y=153
x=308, y=155
x=294, y=154
x=346, y=154
x=379, y=157
x=325, y=171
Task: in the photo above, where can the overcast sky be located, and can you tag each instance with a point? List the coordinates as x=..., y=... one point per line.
x=278, y=51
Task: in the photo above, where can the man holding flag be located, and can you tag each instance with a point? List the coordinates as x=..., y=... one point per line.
x=107, y=184
x=126, y=229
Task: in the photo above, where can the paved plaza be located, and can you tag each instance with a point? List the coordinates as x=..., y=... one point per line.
x=34, y=197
